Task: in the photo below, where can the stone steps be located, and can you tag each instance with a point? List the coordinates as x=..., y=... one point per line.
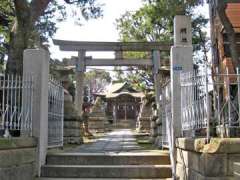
x=107, y=171
x=101, y=165
x=99, y=179
x=102, y=159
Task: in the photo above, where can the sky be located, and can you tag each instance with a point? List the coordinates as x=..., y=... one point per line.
x=102, y=29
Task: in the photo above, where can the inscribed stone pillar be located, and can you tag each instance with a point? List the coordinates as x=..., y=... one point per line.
x=36, y=62
x=181, y=60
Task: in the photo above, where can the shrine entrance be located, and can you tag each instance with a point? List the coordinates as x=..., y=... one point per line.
x=119, y=107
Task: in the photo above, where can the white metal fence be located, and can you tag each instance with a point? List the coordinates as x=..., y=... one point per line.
x=55, y=113
x=16, y=94
x=210, y=103
x=166, y=114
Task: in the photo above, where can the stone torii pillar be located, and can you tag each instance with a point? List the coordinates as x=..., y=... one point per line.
x=157, y=80
x=80, y=70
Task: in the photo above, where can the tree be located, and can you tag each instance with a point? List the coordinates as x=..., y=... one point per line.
x=25, y=20
x=154, y=22
x=221, y=7
x=97, y=80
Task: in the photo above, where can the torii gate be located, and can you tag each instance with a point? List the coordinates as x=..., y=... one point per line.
x=82, y=61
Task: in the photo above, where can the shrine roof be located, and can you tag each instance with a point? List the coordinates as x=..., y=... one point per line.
x=137, y=95
x=118, y=89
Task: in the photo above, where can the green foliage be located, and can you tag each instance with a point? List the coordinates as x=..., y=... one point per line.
x=98, y=74
x=97, y=80
x=46, y=24
x=6, y=20
x=154, y=22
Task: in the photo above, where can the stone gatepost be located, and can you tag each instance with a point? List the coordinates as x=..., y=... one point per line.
x=36, y=62
x=97, y=117
x=73, y=131
x=181, y=60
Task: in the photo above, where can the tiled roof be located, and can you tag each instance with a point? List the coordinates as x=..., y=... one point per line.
x=233, y=13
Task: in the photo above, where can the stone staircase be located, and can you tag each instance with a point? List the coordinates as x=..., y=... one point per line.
x=104, y=166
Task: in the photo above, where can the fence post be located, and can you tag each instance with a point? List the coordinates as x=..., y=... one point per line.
x=181, y=60
x=207, y=103
x=36, y=62
x=238, y=93
x=228, y=103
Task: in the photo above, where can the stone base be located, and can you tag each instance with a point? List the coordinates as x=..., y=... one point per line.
x=213, y=161
x=18, y=158
x=96, y=124
x=73, y=140
x=21, y=172
x=144, y=124
x=73, y=131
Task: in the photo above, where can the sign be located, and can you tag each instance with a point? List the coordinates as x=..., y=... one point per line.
x=177, y=68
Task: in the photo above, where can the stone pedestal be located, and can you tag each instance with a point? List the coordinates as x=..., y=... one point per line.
x=153, y=130
x=97, y=117
x=73, y=131
x=213, y=161
x=144, y=118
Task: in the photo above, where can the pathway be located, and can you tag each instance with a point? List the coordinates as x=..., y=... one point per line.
x=118, y=141
x=117, y=155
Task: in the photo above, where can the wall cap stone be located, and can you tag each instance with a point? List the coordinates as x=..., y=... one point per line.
x=216, y=145
x=15, y=143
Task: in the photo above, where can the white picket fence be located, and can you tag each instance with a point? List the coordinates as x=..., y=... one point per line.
x=16, y=95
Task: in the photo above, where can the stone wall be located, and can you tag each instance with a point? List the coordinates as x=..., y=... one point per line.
x=214, y=161
x=17, y=159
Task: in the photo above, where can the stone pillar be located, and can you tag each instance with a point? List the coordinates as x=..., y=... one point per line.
x=36, y=62
x=80, y=69
x=157, y=81
x=118, y=55
x=181, y=60
x=114, y=115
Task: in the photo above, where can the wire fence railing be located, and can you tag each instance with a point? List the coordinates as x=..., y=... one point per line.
x=166, y=114
x=16, y=97
x=210, y=104
x=55, y=113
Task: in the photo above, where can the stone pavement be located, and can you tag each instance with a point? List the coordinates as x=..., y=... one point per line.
x=118, y=141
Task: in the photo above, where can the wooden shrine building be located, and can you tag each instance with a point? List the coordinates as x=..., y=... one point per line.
x=123, y=103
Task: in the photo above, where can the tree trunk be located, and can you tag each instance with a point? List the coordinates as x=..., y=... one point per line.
x=18, y=42
x=23, y=34
x=229, y=31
